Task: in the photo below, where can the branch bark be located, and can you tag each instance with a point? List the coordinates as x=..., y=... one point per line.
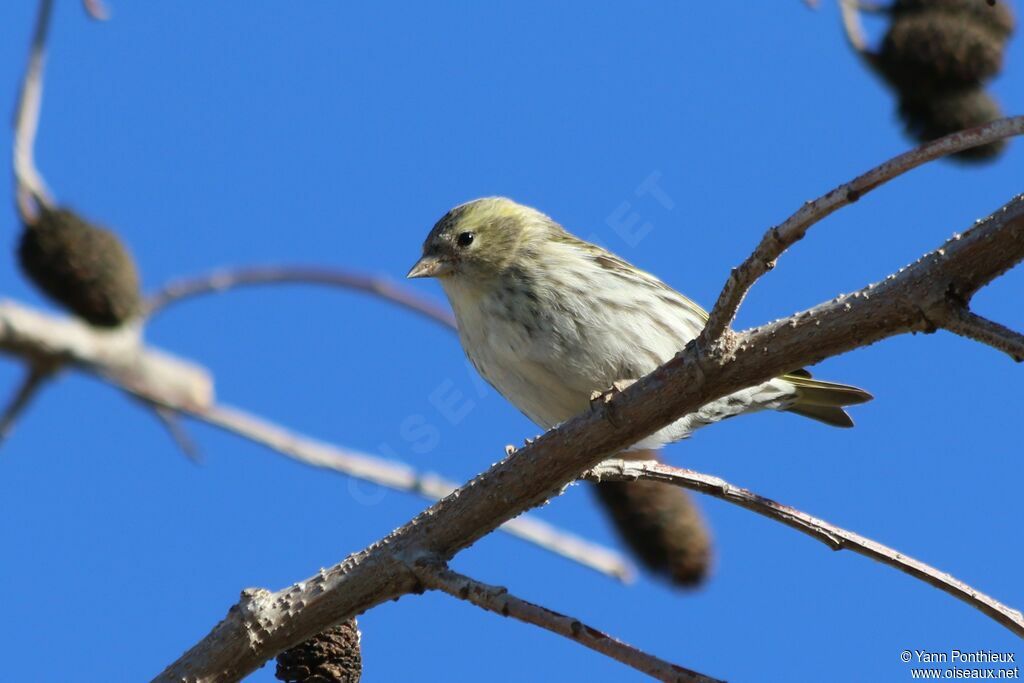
x=437, y=576
x=252, y=633
x=960, y=320
x=834, y=537
x=781, y=237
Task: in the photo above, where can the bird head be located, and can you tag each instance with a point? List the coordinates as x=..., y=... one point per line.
x=481, y=239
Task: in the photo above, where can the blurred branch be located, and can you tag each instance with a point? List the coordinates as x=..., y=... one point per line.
x=117, y=356
x=849, y=10
x=29, y=184
x=834, y=537
x=779, y=238
x=96, y=10
x=35, y=376
x=179, y=435
x=171, y=384
x=400, y=477
x=264, y=623
x=226, y=279
x=437, y=576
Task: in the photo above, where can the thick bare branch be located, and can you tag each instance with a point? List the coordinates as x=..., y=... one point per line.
x=257, y=629
x=225, y=279
x=401, y=477
x=960, y=320
x=829, y=534
x=793, y=229
x=29, y=184
x=116, y=355
x=437, y=576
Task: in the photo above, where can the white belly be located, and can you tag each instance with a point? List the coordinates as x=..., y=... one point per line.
x=547, y=361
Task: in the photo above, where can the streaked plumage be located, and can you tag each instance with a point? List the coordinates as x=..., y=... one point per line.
x=548, y=319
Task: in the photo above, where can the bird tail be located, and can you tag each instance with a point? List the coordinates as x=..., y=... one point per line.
x=824, y=401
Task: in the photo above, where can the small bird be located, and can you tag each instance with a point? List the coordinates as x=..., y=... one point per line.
x=548, y=319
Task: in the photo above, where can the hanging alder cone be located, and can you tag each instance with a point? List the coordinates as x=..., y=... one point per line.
x=662, y=525
x=938, y=114
x=937, y=55
x=329, y=657
x=84, y=268
x=939, y=50
x=995, y=14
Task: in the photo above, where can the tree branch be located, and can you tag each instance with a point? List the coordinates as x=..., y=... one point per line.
x=255, y=630
x=779, y=238
x=401, y=477
x=96, y=10
x=35, y=376
x=960, y=320
x=437, y=576
x=168, y=383
x=834, y=537
x=223, y=280
x=29, y=184
x=849, y=10
x=117, y=356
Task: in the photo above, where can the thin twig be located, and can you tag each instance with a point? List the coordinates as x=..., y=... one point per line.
x=35, y=377
x=437, y=576
x=852, y=27
x=169, y=419
x=401, y=477
x=225, y=279
x=963, y=322
x=29, y=184
x=777, y=239
x=829, y=534
x=96, y=10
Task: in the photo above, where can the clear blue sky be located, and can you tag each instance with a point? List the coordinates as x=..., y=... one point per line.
x=212, y=134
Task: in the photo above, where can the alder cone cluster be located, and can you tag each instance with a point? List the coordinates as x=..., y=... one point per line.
x=329, y=657
x=937, y=55
x=84, y=268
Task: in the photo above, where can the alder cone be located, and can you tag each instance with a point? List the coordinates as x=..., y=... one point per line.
x=996, y=16
x=939, y=50
x=662, y=526
x=84, y=268
x=332, y=656
x=932, y=115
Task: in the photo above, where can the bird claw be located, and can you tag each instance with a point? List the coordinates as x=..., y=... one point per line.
x=617, y=387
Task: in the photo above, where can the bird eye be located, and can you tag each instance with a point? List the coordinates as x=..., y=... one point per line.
x=465, y=239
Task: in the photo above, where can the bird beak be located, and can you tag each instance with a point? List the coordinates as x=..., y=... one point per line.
x=430, y=266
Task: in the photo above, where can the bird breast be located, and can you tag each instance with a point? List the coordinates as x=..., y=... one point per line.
x=547, y=350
